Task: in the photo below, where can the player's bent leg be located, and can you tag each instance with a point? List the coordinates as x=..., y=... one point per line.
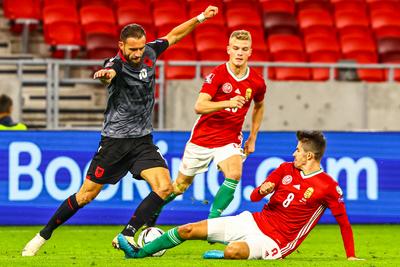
x=237, y=250
x=194, y=231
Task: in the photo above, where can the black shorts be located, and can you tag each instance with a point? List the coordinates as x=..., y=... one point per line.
x=116, y=156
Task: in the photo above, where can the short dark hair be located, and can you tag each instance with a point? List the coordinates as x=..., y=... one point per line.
x=5, y=103
x=132, y=30
x=313, y=141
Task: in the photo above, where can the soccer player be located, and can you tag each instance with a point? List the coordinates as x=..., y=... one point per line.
x=126, y=143
x=301, y=193
x=223, y=103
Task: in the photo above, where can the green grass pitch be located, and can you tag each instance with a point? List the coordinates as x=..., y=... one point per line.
x=90, y=246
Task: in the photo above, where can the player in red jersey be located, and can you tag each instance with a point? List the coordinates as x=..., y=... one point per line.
x=301, y=191
x=223, y=103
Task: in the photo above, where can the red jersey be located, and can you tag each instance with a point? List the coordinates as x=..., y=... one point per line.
x=223, y=127
x=297, y=203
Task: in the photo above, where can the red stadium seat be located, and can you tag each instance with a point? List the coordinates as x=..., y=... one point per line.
x=207, y=31
x=288, y=48
x=389, y=49
x=362, y=50
x=385, y=23
x=196, y=7
x=323, y=50
x=179, y=53
x=313, y=4
x=144, y=6
x=213, y=49
x=284, y=6
x=105, y=3
x=49, y=3
x=174, y=6
x=352, y=23
x=127, y=15
x=237, y=18
x=315, y=20
x=163, y=18
x=101, y=46
x=98, y=19
x=349, y=5
x=383, y=5
x=261, y=56
x=280, y=23
x=242, y=5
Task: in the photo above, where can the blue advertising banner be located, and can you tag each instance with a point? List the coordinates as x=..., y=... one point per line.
x=39, y=169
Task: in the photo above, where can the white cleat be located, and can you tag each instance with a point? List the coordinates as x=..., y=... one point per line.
x=130, y=239
x=33, y=246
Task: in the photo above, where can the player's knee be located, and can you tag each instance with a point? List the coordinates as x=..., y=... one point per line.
x=235, y=251
x=84, y=198
x=185, y=231
x=164, y=190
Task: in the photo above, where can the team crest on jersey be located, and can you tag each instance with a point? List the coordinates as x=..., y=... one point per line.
x=339, y=190
x=227, y=88
x=287, y=179
x=209, y=78
x=308, y=193
x=99, y=172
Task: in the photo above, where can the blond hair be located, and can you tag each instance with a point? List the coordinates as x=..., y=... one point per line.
x=241, y=35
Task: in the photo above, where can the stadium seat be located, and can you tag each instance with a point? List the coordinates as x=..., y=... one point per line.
x=385, y=23
x=65, y=39
x=179, y=53
x=49, y=3
x=242, y=5
x=288, y=48
x=311, y=20
x=213, y=49
x=383, y=5
x=56, y=14
x=166, y=18
x=144, y=6
x=352, y=23
x=98, y=19
x=389, y=49
x=237, y=18
x=261, y=56
x=313, y=4
x=196, y=7
x=209, y=31
x=23, y=20
x=362, y=50
x=127, y=15
x=105, y=3
x=174, y=6
x=280, y=23
x=284, y=6
x=101, y=46
x=322, y=50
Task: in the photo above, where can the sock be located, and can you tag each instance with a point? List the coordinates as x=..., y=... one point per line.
x=153, y=219
x=65, y=211
x=223, y=198
x=168, y=240
x=143, y=213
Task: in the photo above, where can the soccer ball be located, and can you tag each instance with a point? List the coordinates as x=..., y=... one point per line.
x=148, y=235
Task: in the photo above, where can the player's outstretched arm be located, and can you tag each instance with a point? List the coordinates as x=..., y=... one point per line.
x=105, y=75
x=347, y=235
x=187, y=27
x=204, y=105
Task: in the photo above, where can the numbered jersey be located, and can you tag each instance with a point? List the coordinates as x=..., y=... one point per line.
x=297, y=203
x=223, y=127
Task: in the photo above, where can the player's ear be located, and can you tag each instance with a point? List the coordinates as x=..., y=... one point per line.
x=121, y=45
x=310, y=155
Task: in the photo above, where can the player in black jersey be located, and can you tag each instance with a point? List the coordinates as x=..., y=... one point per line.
x=126, y=143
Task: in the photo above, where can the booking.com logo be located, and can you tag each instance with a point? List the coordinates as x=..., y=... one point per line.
x=203, y=182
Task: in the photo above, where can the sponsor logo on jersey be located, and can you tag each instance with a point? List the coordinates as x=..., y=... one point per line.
x=297, y=186
x=237, y=91
x=227, y=88
x=109, y=64
x=308, y=193
x=339, y=190
x=287, y=179
x=143, y=74
x=209, y=78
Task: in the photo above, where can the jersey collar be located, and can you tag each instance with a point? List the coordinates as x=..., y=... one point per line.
x=234, y=76
x=304, y=176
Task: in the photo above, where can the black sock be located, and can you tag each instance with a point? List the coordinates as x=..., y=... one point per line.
x=151, y=204
x=65, y=211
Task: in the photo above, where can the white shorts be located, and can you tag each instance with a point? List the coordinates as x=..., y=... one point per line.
x=196, y=159
x=242, y=227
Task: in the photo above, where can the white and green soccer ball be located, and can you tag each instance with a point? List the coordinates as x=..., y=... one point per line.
x=148, y=235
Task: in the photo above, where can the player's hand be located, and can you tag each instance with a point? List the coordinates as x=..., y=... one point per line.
x=103, y=74
x=355, y=259
x=210, y=12
x=266, y=188
x=237, y=102
x=249, y=146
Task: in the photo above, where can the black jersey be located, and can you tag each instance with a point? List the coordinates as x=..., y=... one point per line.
x=131, y=94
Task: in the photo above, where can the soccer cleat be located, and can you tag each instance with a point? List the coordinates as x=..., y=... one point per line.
x=130, y=239
x=129, y=249
x=33, y=246
x=213, y=254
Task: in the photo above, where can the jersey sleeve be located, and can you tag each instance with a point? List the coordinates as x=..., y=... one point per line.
x=159, y=46
x=211, y=83
x=334, y=199
x=274, y=177
x=113, y=63
x=259, y=96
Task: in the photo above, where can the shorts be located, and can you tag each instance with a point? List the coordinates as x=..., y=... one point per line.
x=196, y=159
x=242, y=227
x=116, y=156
